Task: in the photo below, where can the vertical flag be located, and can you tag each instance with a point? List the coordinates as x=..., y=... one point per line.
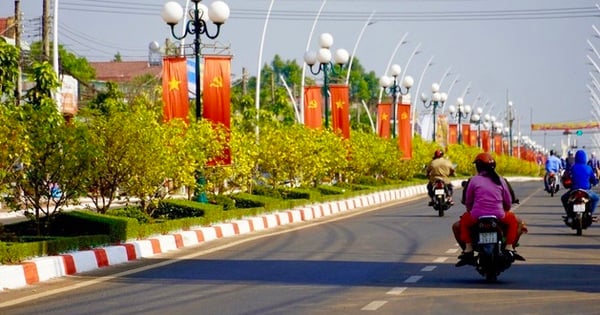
x=452, y=133
x=404, y=132
x=216, y=96
x=466, y=134
x=498, y=144
x=473, y=140
x=312, y=107
x=175, y=89
x=485, y=140
x=340, y=109
x=384, y=112
x=441, y=130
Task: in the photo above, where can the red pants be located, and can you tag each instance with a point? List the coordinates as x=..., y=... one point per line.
x=510, y=220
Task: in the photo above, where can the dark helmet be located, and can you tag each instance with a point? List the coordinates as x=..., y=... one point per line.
x=438, y=154
x=552, y=152
x=484, y=161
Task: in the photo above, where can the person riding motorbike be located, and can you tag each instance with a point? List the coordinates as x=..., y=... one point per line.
x=594, y=163
x=568, y=161
x=553, y=165
x=582, y=177
x=439, y=168
x=523, y=229
x=487, y=194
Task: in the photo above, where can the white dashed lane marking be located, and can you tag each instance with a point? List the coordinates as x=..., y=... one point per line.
x=440, y=259
x=373, y=306
x=413, y=279
x=396, y=291
x=452, y=251
x=428, y=268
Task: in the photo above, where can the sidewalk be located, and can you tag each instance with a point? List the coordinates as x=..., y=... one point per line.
x=45, y=268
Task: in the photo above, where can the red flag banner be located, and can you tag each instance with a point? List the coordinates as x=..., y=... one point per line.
x=498, y=144
x=452, y=133
x=175, y=88
x=340, y=109
x=313, y=108
x=384, y=113
x=466, y=134
x=485, y=140
x=404, y=133
x=473, y=138
x=216, y=96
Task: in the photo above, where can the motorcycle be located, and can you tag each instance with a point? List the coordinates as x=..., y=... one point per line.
x=442, y=200
x=489, y=244
x=579, y=211
x=553, y=185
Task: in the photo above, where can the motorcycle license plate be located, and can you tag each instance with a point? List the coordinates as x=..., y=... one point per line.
x=439, y=192
x=488, y=238
x=579, y=207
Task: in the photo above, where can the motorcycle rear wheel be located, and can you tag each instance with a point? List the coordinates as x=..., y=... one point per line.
x=441, y=202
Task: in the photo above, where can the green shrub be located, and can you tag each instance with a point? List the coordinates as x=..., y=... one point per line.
x=224, y=201
x=131, y=212
x=331, y=190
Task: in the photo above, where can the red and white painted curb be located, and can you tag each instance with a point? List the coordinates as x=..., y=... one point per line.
x=45, y=268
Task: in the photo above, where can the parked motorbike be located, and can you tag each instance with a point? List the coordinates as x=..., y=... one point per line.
x=489, y=244
x=579, y=211
x=553, y=185
x=442, y=200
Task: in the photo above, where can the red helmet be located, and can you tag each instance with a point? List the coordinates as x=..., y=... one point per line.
x=438, y=154
x=485, y=159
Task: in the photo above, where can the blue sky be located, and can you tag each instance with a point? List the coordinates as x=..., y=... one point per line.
x=531, y=52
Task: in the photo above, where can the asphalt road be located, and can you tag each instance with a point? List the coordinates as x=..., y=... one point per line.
x=397, y=259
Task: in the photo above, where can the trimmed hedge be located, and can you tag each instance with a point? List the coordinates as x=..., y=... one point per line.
x=12, y=253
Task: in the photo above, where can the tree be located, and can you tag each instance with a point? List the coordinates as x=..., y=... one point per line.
x=57, y=154
x=9, y=63
x=69, y=63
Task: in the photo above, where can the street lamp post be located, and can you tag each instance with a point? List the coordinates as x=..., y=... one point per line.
x=477, y=120
x=172, y=13
x=437, y=99
x=323, y=56
x=460, y=111
x=392, y=87
x=511, y=118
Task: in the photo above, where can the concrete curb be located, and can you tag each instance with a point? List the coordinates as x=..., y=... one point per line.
x=45, y=268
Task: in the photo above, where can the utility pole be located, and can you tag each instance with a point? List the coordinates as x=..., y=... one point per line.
x=46, y=31
x=19, y=86
x=244, y=81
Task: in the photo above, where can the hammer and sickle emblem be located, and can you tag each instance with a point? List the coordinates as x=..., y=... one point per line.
x=312, y=104
x=216, y=82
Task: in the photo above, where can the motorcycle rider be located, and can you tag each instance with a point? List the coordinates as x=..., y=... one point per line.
x=582, y=177
x=553, y=165
x=487, y=194
x=439, y=168
x=594, y=163
x=568, y=161
x=523, y=229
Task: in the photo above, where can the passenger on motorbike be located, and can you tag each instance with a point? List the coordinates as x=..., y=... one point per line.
x=523, y=229
x=553, y=165
x=439, y=168
x=568, y=161
x=487, y=194
x=594, y=163
x=582, y=177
